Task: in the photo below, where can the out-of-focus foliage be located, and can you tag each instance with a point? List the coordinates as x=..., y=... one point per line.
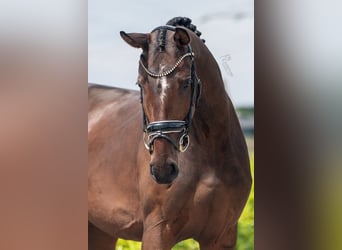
x=246, y=222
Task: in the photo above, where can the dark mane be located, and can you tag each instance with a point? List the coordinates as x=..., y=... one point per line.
x=176, y=21
x=185, y=22
x=161, y=39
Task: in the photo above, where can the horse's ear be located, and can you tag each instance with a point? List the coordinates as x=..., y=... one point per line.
x=136, y=40
x=181, y=37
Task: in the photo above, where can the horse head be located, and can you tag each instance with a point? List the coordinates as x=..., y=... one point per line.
x=170, y=90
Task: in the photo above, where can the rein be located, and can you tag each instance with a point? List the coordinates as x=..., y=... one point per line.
x=162, y=129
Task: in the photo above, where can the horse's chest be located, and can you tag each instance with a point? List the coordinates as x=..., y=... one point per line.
x=206, y=191
x=210, y=203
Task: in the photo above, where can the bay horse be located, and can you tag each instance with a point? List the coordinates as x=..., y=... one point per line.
x=170, y=162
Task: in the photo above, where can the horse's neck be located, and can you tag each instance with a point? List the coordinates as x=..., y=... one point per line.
x=215, y=118
x=214, y=104
x=215, y=127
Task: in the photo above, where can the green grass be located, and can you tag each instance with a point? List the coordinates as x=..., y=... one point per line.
x=246, y=221
x=245, y=228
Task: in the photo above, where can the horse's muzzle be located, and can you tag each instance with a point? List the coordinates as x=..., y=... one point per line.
x=164, y=174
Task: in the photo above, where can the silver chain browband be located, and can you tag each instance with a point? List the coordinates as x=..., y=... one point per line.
x=169, y=71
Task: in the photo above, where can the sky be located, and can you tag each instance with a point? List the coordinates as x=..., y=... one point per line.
x=226, y=25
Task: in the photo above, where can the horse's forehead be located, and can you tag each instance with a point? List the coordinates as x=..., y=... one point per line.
x=155, y=37
x=170, y=50
x=159, y=60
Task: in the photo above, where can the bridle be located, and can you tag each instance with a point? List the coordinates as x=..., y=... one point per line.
x=162, y=129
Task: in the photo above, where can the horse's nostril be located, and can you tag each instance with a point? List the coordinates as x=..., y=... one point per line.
x=164, y=174
x=173, y=169
x=152, y=171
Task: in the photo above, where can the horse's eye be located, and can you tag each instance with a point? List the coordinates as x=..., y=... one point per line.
x=187, y=83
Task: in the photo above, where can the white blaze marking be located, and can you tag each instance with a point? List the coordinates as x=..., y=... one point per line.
x=164, y=85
